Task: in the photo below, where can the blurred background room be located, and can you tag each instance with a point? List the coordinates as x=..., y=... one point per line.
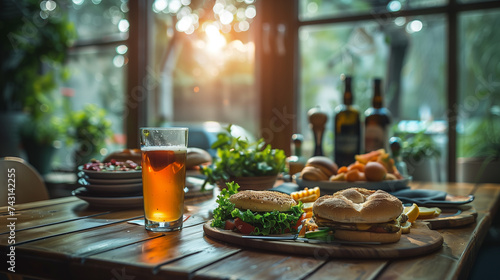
x=79, y=77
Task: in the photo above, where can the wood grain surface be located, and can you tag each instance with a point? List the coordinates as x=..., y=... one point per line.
x=65, y=239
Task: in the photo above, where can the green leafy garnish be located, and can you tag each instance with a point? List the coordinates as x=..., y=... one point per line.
x=274, y=222
x=223, y=211
x=238, y=157
x=325, y=234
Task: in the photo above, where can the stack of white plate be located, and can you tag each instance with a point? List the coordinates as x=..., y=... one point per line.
x=110, y=189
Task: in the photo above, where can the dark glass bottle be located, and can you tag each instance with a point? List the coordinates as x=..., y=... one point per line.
x=347, y=128
x=296, y=162
x=377, y=121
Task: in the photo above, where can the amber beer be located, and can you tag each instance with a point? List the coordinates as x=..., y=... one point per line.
x=163, y=179
x=164, y=151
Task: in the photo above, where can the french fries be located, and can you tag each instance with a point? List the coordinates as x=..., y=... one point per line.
x=306, y=195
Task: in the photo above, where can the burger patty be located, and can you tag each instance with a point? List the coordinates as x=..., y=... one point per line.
x=388, y=227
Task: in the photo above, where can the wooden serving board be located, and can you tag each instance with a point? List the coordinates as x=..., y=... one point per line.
x=452, y=217
x=420, y=241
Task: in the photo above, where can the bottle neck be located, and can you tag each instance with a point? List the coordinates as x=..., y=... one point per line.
x=298, y=151
x=377, y=101
x=297, y=144
x=348, y=92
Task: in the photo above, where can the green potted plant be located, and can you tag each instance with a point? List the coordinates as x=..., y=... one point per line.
x=420, y=153
x=88, y=130
x=32, y=49
x=253, y=165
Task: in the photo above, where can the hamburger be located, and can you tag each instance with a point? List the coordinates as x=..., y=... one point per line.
x=358, y=214
x=257, y=212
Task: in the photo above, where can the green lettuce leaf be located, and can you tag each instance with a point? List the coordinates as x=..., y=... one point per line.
x=274, y=222
x=225, y=207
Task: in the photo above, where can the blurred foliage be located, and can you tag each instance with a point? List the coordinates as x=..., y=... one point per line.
x=482, y=136
x=31, y=50
x=479, y=110
x=88, y=128
x=42, y=125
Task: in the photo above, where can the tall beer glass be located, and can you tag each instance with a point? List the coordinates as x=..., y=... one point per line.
x=163, y=176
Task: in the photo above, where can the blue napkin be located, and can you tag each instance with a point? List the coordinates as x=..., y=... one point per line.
x=420, y=197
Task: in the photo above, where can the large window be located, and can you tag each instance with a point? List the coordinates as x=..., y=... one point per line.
x=416, y=47
x=202, y=54
x=479, y=84
x=97, y=65
x=431, y=55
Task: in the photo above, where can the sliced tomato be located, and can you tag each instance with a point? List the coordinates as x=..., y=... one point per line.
x=243, y=227
x=229, y=225
x=299, y=221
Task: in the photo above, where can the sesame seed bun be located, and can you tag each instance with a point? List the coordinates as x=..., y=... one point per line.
x=262, y=201
x=358, y=205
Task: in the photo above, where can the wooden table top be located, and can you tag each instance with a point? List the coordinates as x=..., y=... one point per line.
x=65, y=239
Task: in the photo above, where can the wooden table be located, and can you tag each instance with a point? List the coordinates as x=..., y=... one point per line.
x=64, y=239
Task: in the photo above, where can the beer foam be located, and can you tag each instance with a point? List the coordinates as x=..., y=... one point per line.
x=164, y=148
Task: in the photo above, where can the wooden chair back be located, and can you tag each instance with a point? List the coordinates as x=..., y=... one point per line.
x=20, y=180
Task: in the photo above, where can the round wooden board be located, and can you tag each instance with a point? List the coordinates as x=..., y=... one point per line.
x=421, y=240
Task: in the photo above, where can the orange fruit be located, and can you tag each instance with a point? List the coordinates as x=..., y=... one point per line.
x=375, y=171
x=353, y=176
x=342, y=169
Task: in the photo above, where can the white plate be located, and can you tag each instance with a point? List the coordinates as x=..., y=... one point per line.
x=108, y=201
x=331, y=187
x=132, y=174
x=111, y=189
